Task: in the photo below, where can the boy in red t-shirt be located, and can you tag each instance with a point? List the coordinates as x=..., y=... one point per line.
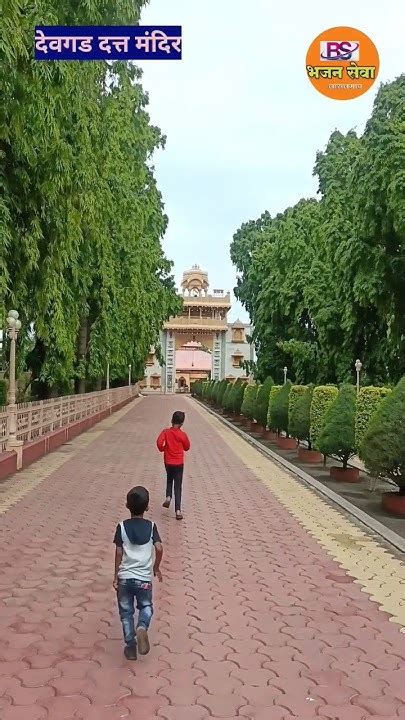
x=173, y=442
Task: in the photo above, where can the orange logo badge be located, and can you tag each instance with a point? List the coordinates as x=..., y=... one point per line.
x=342, y=63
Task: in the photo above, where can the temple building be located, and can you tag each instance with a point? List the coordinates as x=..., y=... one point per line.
x=200, y=343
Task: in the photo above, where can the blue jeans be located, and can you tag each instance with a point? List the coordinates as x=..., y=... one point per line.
x=128, y=592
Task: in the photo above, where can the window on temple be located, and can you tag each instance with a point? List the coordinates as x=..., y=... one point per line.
x=237, y=360
x=238, y=335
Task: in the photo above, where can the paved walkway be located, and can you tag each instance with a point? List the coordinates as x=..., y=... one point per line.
x=255, y=619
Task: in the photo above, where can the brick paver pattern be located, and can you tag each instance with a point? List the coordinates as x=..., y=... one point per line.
x=254, y=618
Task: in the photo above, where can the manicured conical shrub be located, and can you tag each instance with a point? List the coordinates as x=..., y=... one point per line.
x=300, y=415
x=233, y=395
x=196, y=388
x=262, y=401
x=337, y=435
x=367, y=404
x=221, y=392
x=249, y=402
x=322, y=398
x=271, y=421
x=215, y=391
x=295, y=393
x=237, y=396
x=383, y=446
x=279, y=411
x=226, y=400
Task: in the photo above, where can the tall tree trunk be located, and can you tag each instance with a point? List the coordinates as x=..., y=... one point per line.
x=82, y=352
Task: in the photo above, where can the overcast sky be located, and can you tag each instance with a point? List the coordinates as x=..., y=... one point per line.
x=243, y=122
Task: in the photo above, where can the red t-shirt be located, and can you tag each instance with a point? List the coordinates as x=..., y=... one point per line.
x=173, y=442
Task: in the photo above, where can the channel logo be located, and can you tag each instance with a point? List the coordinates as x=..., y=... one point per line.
x=339, y=50
x=342, y=69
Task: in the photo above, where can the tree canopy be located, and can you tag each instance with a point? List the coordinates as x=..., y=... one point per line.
x=81, y=217
x=324, y=281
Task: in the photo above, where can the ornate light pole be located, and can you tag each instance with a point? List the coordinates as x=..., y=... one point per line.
x=285, y=370
x=358, y=365
x=13, y=328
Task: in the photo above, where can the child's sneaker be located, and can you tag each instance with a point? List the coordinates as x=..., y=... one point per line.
x=142, y=640
x=130, y=652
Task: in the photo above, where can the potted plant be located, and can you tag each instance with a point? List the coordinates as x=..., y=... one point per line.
x=272, y=433
x=220, y=394
x=262, y=404
x=383, y=447
x=238, y=391
x=300, y=424
x=322, y=398
x=337, y=435
x=226, y=399
x=280, y=417
x=368, y=401
x=248, y=405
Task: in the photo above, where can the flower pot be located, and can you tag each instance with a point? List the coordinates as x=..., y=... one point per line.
x=350, y=474
x=271, y=436
x=286, y=443
x=309, y=456
x=394, y=503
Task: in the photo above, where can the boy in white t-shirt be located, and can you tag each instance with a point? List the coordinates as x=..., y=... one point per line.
x=138, y=554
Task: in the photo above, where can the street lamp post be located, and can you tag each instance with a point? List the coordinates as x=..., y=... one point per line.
x=285, y=370
x=13, y=444
x=358, y=365
x=107, y=386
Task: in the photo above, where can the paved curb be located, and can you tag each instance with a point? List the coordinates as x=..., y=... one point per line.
x=388, y=535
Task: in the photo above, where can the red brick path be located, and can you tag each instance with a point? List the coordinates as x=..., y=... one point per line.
x=254, y=619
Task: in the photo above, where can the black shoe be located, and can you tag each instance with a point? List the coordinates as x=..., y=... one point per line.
x=130, y=652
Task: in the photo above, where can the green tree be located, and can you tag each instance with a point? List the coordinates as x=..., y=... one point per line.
x=81, y=218
x=226, y=400
x=322, y=398
x=337, y=435
x=222, y=391
x=262, y=401
x=323, y=280
x=215, y=391
x=367, y=403
x=248, y=407
x=383, y=446
x=380, y=206
x=237, y=396
x=295, y=393
x=300, y=416
x=279, y=410
x=271, y=417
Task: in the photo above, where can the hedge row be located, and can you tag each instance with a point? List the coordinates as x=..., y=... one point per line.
x=229, y=396
x=297, y=410
x=335, y=421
